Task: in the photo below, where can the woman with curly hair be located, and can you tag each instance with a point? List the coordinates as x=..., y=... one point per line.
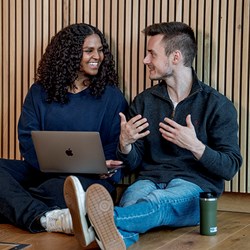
x=76, y=89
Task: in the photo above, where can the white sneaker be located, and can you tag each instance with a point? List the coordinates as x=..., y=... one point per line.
x=58, y=220
x=74, y=196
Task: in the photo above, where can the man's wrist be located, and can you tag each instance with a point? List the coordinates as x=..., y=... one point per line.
x=125, y=149
x=199, y=150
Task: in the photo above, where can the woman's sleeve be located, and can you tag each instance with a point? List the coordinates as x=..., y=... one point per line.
x=120, y=105
x=28, y=121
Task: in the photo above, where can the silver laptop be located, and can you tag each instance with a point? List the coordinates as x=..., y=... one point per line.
x=69, y=152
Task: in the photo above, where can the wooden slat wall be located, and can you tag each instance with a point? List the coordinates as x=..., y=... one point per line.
x=221, y=27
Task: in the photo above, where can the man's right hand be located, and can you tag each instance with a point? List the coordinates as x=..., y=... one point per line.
x=131, y=131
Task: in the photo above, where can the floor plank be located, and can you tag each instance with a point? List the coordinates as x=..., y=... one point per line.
x=233, y=233
x=189, y=238
x=39, y=241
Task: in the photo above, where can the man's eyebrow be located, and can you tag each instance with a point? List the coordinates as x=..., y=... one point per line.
x=151, y=51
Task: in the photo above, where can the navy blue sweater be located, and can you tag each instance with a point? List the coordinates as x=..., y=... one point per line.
x=215, y=120
x=83, y=112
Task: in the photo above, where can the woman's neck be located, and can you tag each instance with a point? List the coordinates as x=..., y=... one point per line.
x=81, y=83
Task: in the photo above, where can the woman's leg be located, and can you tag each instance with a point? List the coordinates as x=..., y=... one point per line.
x=51, y=190
x=16, y=203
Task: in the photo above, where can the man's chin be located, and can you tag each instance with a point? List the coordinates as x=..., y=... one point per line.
x=153, y=77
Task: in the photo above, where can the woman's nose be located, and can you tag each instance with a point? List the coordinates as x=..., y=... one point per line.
x=96, y=54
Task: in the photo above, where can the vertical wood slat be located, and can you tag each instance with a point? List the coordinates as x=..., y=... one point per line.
x=214, y=68
x=114, y=29
x=245, y=80
x=141, y=49
x=193, y=21
x=134, y=49
x=121, y=47
x=18, y=73
x=39, y=27
x=5, y=78
x=12, y=100
x=200, y=38
x=222, y=58
x=127, y=50
x=94, y=14
x=222, y=33
x=86, y=13
x=25, y=48
x=240, y=181
x=207, y=41
x=79, y=7
x=1, y=78
x=58, y=14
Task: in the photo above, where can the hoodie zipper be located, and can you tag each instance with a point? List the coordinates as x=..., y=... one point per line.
x=174, y=108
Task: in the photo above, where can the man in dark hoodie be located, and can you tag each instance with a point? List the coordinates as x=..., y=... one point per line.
x=182, y=136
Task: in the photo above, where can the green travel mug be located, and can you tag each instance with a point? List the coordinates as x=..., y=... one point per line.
x=208, y=213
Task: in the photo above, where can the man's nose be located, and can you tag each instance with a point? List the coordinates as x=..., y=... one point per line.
x=146, y=59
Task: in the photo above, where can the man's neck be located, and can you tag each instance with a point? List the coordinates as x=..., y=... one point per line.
x=180, y=84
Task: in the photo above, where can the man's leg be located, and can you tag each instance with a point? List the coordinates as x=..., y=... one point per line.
x=175, y=204
x=137, y=191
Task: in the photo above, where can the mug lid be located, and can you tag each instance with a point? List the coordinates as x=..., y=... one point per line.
x=208, y=195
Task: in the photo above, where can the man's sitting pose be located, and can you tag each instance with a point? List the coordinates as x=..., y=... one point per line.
x=182, y=136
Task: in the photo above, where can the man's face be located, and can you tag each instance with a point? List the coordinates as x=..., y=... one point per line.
x=158, y=63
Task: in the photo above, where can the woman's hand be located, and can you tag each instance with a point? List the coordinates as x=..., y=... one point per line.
x=112, y=165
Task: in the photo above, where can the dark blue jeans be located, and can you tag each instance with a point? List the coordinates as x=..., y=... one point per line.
x=26, y=193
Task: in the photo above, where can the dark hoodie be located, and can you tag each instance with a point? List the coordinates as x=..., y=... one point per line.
x=215, y=120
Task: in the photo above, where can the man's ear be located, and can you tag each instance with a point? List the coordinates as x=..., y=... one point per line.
x=177, y=57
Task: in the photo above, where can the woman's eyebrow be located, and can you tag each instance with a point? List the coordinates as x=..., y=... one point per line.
x=92, y=47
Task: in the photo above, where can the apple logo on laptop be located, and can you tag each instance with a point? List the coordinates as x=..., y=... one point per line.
x=69, y=152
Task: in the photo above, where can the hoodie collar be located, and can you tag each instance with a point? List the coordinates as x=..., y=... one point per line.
x=160, y=90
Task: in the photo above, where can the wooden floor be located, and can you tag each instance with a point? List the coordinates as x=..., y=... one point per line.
x=233, y=233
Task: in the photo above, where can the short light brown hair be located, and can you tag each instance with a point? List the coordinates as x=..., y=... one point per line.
x=176, y=36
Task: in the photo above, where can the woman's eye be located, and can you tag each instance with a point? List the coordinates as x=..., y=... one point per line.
x=87, y=51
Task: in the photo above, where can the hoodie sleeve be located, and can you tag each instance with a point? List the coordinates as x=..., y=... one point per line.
x=222, y=156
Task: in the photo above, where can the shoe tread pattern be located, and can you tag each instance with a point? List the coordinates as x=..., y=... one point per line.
x=100, y=210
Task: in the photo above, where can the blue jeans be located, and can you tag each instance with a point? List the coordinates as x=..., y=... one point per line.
x=146, y=205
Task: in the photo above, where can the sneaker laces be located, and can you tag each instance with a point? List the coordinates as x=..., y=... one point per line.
x=58, y=220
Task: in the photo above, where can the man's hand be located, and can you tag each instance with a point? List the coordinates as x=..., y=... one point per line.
x=183, y=136
x=131, y=131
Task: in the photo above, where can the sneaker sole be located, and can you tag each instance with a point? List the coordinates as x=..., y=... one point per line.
x=74, y=196
x=100, y=210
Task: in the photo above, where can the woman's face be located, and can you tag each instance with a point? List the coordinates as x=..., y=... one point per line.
x=92, y=56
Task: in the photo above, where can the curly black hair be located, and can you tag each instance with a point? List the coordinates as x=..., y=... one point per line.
x=60, y=64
